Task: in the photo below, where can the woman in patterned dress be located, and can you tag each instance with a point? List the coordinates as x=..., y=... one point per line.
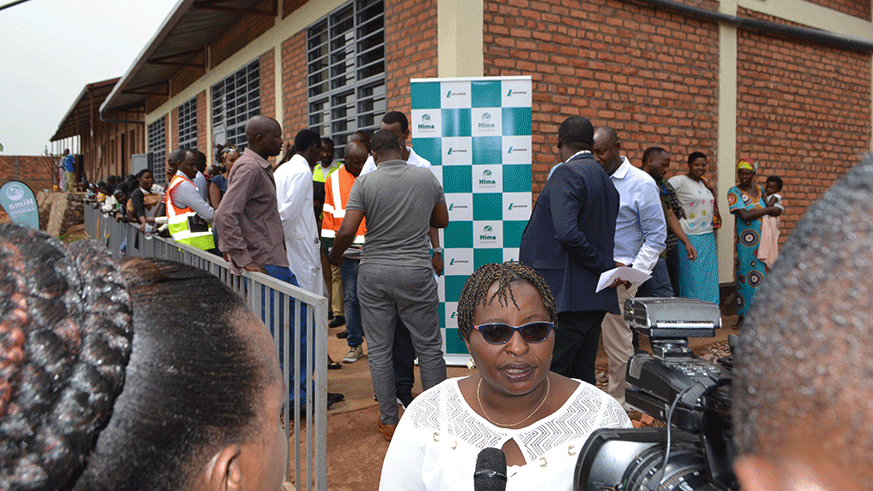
x=746, y=201
x=541, y=420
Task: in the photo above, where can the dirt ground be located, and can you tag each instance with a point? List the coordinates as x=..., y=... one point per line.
x=356, y=449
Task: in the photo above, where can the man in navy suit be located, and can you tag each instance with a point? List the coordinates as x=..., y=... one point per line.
x=569, y=241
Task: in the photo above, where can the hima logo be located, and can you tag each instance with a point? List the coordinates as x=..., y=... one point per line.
x=486, y=179
x=487, y=229
x=487, y=234
x=14, y=192
x=425, y=123
x=485, y=123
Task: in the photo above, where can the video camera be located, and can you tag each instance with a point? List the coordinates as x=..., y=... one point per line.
x=675, y=386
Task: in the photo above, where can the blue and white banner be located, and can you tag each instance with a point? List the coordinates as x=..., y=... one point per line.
x=19, y=202
x=476, y=132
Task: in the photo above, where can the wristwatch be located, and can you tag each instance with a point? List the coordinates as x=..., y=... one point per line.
x=436, y=250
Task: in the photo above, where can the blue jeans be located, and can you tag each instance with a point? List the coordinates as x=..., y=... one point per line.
x=351, y=305
x=659, y=284
x=285, y=274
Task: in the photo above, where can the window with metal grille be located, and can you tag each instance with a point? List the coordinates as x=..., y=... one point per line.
x=346, y=70
x=234, y=101
x=158, y=150
x=188, y=124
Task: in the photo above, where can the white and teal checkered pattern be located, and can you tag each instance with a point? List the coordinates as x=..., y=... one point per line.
x=476, y=132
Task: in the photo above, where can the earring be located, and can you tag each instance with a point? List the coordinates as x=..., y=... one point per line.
x=471, y=365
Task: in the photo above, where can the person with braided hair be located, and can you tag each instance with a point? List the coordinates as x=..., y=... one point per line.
x=99, y=364
x=541, y=420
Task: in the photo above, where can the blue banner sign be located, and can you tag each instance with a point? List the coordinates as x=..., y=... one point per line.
x=20, y=204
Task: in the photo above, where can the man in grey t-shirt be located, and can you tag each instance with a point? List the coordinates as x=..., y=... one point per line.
x=395, y=277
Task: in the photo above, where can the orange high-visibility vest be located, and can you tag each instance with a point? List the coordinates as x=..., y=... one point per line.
x=336, y=196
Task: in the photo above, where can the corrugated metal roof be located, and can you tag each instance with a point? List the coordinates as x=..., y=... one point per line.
x=180, y=41
x=77, y=120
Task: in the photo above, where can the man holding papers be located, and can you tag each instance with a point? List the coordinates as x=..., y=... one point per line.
x=640, y=234
x=569, y=241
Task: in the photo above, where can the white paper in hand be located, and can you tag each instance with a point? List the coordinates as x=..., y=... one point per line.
x=626, y=273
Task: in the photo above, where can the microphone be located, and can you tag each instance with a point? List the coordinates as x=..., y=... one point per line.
x=490, y=472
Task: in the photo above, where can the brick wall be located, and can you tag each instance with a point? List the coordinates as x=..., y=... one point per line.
x=410, y=48
x=294, y=85
x=802, y=113
x=856, y=8
x=268, y=83
x=650, y=74
x=36, y=171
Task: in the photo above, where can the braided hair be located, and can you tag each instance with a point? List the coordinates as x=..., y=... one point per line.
x=118, y=377
x=65, y=341
x=475, y=291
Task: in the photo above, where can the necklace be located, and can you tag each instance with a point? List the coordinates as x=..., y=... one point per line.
x=479, y=400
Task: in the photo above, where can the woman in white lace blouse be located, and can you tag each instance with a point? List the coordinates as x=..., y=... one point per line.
x=540, y=419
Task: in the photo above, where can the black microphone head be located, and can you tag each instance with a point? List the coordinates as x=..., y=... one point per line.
x=490, y=472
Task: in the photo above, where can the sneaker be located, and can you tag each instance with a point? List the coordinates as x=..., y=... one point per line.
x=354, y=353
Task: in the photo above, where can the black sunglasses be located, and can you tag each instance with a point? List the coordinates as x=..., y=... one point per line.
x=532, y=332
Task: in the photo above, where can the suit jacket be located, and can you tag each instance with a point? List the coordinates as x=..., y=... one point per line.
x=571, y=235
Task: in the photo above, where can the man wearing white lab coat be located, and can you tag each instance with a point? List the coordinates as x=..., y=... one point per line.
x=294, y=196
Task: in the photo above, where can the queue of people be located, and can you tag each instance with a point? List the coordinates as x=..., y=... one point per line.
x=532, y=327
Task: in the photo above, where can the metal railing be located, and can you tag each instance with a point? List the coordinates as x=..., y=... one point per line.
x=265, y=296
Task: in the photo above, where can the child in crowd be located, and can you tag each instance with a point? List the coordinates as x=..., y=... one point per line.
x=769, y=248
x=771, y=192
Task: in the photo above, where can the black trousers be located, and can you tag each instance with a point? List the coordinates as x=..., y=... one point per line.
x=576, y=341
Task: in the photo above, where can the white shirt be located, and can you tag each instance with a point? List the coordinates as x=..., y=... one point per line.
x=414, y=160
x=640, y=230
x=697, y=202
x=439, y=437
x=294, y=197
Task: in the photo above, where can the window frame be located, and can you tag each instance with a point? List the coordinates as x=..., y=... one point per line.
x=345, y=74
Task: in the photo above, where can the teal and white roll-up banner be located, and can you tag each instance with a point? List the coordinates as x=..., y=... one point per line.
x=19, y=202
x=476, y=132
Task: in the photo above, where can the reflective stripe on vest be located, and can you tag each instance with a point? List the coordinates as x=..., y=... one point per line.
x=177, y=221
x=337, y=210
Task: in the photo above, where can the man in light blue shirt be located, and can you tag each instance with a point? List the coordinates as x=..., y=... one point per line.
x=640, y=237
